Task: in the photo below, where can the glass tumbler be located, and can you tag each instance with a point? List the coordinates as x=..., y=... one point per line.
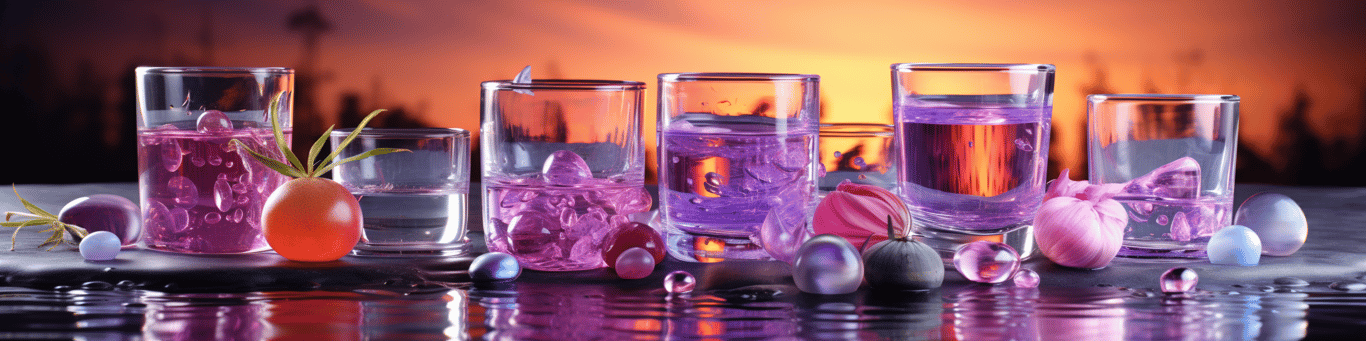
x=1175, y=154
x=413, y=203
x=973, y=139
x=862, y=153
x=200, y=193
x=734, y=147
x=563, y=166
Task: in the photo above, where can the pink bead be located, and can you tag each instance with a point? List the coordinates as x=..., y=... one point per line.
x=1026, y=278
x=679, y=282
x=635, y=263
x=986, y=262
x=1178, y=280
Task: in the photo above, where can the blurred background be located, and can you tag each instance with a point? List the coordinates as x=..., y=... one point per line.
x=67, y=87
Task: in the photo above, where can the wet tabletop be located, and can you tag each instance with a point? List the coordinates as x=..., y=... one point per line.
x=752, y=291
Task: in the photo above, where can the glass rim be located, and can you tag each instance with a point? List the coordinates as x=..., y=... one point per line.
x=564, y=84
x=735, y=77
x=1006, y=67
x=210, y=70
x=1191, y=98
x=857, y=129
x=404, y=132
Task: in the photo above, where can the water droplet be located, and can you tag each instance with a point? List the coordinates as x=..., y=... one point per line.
x=185, y=193
x=1162, y=220
x=837, y=154
x=679, y=282
x=675, y=159
x=695, y=201
x=96, y=285
x=1177, y=280
x=858, y=161
x=222, y=195
x=1291, y=282
x=197, y=161
x=212, y=217
x=229, y=164
x=215, y=159
x=1026, y=278
x=986, y=261
x=1348, y=286
x=1024, y=145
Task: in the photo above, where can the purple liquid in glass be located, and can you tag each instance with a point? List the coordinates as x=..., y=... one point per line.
x=200, y=193
x=722, y=180
x=557, y=220
x=977, y=169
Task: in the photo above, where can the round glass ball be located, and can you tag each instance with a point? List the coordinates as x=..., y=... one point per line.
x=986, y=261
x=100, y=246
x=679, y=282
x=632, y=235
x=1178, y=280
x=494, y=267
x=1025, y=278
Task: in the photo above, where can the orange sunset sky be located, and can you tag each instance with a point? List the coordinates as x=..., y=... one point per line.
x=429, y=56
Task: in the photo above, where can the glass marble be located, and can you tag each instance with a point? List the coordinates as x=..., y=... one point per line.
x=105, y=212
x=213, y=121
x=1277, y=220
x=100, y=245
x=679, y=282
x=494, y=267
x=635, y=263
x=1178, y=280
x=986, y=261
x=828, y=265
x=1026, y=278
x=1234, y=245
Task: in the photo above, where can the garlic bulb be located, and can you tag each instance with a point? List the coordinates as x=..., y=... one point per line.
x=1079, y=225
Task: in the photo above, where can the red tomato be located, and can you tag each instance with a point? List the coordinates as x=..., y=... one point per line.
x=311, y=220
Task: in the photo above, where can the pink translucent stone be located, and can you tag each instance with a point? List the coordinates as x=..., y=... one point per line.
x=1178, y=280
x=679, y=282
x=986, y=262
x=1026, y=278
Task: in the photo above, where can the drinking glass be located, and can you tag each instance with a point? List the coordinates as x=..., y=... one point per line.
x=861, y=153
x=1175, y=154
x=200, y=193
x=732, y=148
x=974, y=145
x=413, y=203
x=563, y=166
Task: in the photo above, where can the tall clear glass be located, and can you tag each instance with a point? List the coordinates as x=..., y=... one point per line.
x=414, y=203
x=199, y=192
x=732, y=148
x=564, y=165
x=974, y=145
x=1176, y=154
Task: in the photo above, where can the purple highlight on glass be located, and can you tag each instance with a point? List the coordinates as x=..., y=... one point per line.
x=200, y=193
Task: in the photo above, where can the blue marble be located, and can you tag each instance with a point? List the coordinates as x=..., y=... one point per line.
x=1234, y=245
x=495, y=267
x=100, y=246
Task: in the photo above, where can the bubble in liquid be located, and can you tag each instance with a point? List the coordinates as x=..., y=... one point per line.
x=1162, y=220
x=837, y=154
x=986, y=261
x=213, y=121
x=1177, y=280
x=679, y=282
x=212, y=217
x=197, y=161
x=1026, y=278
x=172, y=156
x=185, y=192
x=1023, y=145
x=675, y=159
x=215, y=159
x=180, y=219
x=222, y=195
x=858, y=161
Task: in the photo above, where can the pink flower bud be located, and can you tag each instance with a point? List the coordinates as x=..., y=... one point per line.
x=855, y=212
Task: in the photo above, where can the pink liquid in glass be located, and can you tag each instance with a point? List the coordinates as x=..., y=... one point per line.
x=552, y=227
x=201, y=194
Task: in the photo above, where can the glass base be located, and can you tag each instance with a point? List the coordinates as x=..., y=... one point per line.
x=459, y=248
x=946, y=242
x=1145, y=250
x=702, y=248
